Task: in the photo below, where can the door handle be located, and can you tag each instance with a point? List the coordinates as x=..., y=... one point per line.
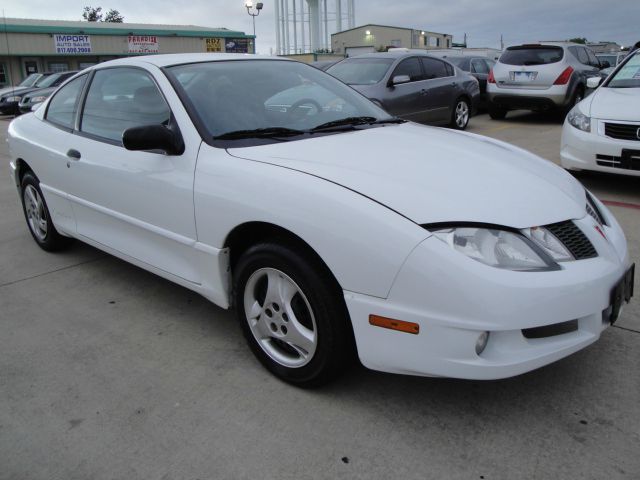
x=74, y=154
x=424, y=92
x=453, y=84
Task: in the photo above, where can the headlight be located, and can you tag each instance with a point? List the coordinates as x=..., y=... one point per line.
x=36, y=99
x=579, y=120
x=497, y=248
x=549, y=243
x=12, y=99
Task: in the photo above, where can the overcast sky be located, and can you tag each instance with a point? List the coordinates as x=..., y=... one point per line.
x=482, y=20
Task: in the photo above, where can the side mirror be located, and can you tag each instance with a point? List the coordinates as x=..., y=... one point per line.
x=153, y=137
x=593, y=82
x=604, y=64
x=400, y=79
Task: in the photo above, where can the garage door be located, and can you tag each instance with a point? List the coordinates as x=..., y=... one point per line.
x=355, y=51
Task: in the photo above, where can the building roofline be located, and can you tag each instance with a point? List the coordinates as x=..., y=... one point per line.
x=389, y=26
x=122, y=29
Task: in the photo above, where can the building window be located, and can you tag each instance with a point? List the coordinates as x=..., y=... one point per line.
x=448, y=43
x=3, y=74
x=396, y=43
x=58, y=67
x=83, y=65
x=437, y=42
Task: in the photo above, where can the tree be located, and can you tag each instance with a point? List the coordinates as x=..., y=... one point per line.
x=581, y=40
x=113, y=16
x=91, y=14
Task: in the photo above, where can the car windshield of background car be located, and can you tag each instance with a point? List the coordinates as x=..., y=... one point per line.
x=361, y=71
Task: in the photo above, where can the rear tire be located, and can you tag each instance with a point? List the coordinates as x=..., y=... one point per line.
x=292, y=315
x=461, y=114
x=497, y=113
x=37, y=215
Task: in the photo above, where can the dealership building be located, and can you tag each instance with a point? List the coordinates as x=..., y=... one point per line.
x=30, y=46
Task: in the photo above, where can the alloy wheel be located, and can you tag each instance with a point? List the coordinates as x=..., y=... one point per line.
x=462, y=114
x=36, y=212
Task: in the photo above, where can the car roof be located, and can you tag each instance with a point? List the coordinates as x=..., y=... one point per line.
x=395, y=55
x=166, y=60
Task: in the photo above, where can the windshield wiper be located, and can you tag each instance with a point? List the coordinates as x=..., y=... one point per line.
x=271, y=132
x=351, y=122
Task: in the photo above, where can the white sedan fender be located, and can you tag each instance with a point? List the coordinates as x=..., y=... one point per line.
x=362, y=242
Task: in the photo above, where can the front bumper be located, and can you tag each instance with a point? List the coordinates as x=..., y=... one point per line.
x=454, y=300
x=594, y=151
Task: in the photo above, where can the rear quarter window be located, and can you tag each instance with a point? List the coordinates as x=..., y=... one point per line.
x=533, y=55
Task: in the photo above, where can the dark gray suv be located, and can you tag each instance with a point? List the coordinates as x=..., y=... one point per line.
x=413, y=86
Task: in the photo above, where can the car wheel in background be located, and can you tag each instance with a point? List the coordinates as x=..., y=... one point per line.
x=38, y=217
x=461, y=114
x=292, y=315
x=497, y=113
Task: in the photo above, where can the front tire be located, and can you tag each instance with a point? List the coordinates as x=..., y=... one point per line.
x=461, y=114
x=38, y=218
x=292, y=315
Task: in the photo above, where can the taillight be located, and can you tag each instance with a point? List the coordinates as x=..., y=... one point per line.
x=564, y=76
x=491, y=78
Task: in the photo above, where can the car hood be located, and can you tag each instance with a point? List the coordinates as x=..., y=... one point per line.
x=616, y=104
x=431, y=175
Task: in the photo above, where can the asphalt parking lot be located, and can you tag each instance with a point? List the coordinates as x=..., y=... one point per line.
x=109, y=372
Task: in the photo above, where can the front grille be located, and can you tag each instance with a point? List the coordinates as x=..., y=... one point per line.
x=622, y=131
x=551, y=330
x=573, y=239
x=629, y=161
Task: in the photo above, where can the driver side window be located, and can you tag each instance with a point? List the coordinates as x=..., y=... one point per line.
x=410, y=67
x=121, y=98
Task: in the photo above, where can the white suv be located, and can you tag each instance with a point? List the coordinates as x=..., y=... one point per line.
x=540, y=76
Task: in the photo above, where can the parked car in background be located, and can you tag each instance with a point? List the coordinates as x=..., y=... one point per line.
x=338, y=233
x=479, y=68
x=413, y=86
x=324, y=64
x=10, y=102
x=603, y=131
x=540, y=76
x=26, y=83
x=34, y=97
x=613, y=59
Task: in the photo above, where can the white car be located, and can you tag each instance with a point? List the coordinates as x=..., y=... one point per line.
x=603, y=131
x=331, y=227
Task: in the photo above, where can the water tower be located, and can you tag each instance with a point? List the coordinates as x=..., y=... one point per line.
x=304, y=26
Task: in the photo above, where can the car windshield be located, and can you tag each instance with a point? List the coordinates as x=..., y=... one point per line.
x=460, y=62
x=628, y=76
x=247, y=98
x=612, y=59
x=30, y=80
x=48, y=80
x=532, y=55
x=361, y=71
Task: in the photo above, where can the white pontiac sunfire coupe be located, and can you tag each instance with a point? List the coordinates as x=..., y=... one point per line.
x=332, y=228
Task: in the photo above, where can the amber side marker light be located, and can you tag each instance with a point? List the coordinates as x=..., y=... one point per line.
x=390, y=323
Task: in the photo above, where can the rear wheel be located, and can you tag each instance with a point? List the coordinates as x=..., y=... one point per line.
x=292, y=315
x=38, y=217
x=461, y=114
x=497, y=113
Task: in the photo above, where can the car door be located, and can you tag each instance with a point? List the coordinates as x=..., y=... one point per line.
x=137, y=203
x=52, y=138
x=406, y=100
x=440, y=87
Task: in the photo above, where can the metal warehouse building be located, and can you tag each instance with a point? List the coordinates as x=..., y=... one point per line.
x=29, y=46
x=369, y=38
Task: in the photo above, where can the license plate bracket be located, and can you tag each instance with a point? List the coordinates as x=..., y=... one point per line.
x=622, y=293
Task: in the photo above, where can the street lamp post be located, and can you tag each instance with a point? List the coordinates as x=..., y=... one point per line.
x=249, y=5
